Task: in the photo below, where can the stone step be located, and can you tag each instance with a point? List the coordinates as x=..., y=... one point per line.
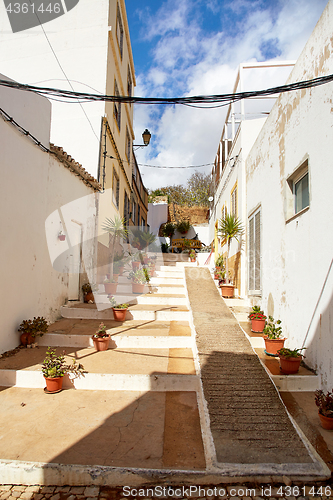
x=157, y=280
x=162, y=298
x=170, y=289
x=130, y=333
x=304, y=380
x=118, y=369
x=159, y=312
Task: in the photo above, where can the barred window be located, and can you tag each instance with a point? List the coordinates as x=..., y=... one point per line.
x=117, y=106
x=254, y=252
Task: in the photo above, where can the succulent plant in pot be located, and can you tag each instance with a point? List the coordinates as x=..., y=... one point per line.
x=258, y=319
x=183, y=226
x=230, y=228
x=32, y=328
x=54, y=368
x=290, y=360
x=192, y=255
x=273, y=336
x=101, y=338
x=324, y=401
x=119, y=310
x=139, y=279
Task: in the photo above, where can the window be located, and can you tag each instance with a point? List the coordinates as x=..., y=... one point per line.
x=120, y=32
x=117, y=106
x=138, y=214
x=301, y=193
x=254, y=252
x=298, y=193
x=129, y=82
x=126, y=208
x=143, y=222
x=133, y=212
x=115, y=189
x=224, y=212
x=234, y=201
x=128, y=146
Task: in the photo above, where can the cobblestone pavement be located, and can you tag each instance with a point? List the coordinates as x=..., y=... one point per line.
x=285, y=491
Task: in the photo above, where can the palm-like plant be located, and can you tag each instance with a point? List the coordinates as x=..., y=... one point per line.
x=117, y=229
x=230, y=228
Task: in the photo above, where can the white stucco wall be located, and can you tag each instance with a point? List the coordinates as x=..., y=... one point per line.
x=79, y=41
x=34, y=185
x=157, y=215
x=297, y=280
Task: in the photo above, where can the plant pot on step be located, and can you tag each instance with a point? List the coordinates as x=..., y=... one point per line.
x=137, y=287
x=110, y=288
x=326, y=422
x=288, y=365
x=101, y=343
x=89, y=297
x=258, y=325
x=227, y=290
x=272, y=346
x=54, y=384
x=119, y=314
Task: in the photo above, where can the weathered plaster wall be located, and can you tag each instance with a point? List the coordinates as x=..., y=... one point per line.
x=297, y=280
x=233, y=173
x=34, y=185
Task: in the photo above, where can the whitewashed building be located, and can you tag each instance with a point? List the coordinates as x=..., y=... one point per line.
x=45, y=194
x=289, y=211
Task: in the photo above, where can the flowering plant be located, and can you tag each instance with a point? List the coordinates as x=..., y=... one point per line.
x=55, y=366
x=140, y=276
x=192, y=254
x=324, y=401
x=257, y=313
x=115, y=305
x=101, y=332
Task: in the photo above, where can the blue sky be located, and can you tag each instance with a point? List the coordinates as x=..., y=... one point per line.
x=190, y=47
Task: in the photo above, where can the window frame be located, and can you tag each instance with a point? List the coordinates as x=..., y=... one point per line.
x=254, y=266
x=117, y=106
x=120, y=32
x=234, y=200
x=299, y=174
x=115, y=188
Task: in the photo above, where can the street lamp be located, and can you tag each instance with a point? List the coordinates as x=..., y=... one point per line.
x=146, y=139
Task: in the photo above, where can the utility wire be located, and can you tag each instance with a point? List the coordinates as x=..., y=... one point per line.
x=69, y=96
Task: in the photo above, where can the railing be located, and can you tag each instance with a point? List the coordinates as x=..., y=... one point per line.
x=180, y=243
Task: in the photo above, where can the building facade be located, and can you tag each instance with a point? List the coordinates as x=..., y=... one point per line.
x=289, y=210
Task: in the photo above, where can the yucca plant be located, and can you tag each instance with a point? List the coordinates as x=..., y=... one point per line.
x=230, y=228
x=117, y=229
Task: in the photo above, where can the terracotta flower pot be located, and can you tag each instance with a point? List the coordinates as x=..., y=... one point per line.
x=101, y=343
x=26, y=338
x=89, y=297
x=137, y=287
x=326, y=422
x=192, y=260
x=272, y=346
x=288, y=366
x=227, y=290
x=110, y=288
x=119, y=314
x=135, y=265
x=257, y=325
x=54, y=384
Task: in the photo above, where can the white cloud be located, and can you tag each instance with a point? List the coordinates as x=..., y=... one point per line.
x=188, y=60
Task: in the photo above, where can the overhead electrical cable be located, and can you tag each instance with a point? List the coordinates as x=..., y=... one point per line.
x=69, y=96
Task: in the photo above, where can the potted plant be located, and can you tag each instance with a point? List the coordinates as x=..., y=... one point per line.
x=139, y=278
x=324, y=401
x=290, y=360
x=273, y=336
x=168, y=230
x=258, y=319
x=61, y=236
x=220, y=275
x=183, y=226
x=88, y=295
x=54, y=369
x=110, y=286
x=192, y=255
x=117, y=230
x=119, y=310
x=101, y=339
x=230, y=228
x=219, y=263
x=30, y=329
